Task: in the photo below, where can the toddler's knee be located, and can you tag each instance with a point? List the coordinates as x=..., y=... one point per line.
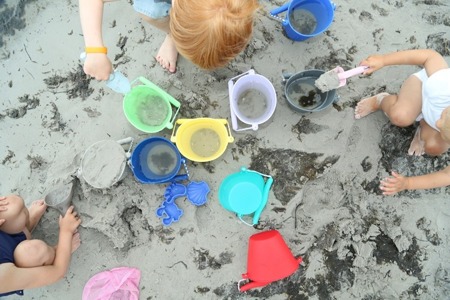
x=33, y=253
x=434, y=149
x=400, y=118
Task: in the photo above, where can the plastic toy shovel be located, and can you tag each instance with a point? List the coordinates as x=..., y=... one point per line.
x=337, y=78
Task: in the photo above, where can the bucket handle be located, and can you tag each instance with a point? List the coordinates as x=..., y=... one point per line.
x=173, y=138
x=181, y=177
x=231, y=83
x=250, y=285
x=171, y=99
x=225, y=123
x=265, y=194
x=129, y=140
x=276, y=11
x=265, y=197
x=242, y=220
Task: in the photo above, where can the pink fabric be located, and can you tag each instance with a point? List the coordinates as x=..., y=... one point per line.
x=115, y=284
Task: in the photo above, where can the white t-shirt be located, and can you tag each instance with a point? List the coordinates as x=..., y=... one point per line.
x=435, y=95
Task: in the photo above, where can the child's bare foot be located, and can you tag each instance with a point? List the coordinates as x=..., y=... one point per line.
x=167, y=55
x=36, y=210
x=417, y=146
x=369, y=105
x=76, y=241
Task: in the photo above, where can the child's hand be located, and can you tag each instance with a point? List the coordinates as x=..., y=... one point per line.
x=98, y=66
x=394, y=184
x=374, y=62
x=70, y=221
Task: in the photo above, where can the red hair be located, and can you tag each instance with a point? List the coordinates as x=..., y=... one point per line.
x=210, y=33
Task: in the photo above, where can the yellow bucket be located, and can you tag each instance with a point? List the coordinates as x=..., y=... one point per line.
x=201, y=139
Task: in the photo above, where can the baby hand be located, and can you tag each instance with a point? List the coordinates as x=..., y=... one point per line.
x=394, y=184
x=374, y=62
x=70, y=221
x=98, y=66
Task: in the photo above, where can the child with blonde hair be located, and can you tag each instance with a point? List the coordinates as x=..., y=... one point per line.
x=29, y=263
x=423, y=97
x=209, y=33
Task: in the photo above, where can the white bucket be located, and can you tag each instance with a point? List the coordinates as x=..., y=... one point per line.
x=252, y=100
x=104, y=163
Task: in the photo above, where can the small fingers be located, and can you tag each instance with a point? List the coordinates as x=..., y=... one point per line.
x=390, y=180
x=2, y=221
x=388, y=190
x=69, y=210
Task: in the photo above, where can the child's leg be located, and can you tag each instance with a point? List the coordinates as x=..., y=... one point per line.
x=35, y=211
x=417, y=146
x=167, y=55
x=401, y=109
x=156, y=13
x=434, y=144
x=34, y=253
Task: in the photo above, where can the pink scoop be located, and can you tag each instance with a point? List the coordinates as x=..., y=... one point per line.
x=343, y=75
x=336, y=78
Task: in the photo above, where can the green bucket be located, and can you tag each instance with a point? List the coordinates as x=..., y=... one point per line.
x=149, y=108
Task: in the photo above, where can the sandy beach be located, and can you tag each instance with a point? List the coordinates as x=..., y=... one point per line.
x=326, y=166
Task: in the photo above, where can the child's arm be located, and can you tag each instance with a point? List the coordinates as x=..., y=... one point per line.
x=13, y=278
x=429, y=59
x=97, y=65
x=398, y=183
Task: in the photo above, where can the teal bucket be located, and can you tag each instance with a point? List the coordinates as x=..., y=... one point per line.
x=245, y=193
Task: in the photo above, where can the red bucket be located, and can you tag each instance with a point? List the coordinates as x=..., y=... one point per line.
x=269, y=259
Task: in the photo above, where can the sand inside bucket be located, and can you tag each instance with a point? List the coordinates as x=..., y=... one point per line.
x=252, y=104
x=161, y=160
x=304, y=93
x=152, y=110
x=103, y=164
x=303, y=21
x=205, y=142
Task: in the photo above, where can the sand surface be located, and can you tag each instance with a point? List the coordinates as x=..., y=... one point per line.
x=325, y=201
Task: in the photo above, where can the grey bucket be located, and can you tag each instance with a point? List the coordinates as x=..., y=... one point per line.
x=60, y=198
x=308, y=77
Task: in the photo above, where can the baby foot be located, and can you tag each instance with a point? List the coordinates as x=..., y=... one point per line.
x=417, y=146
x=167, y=55
x=36, y=210
x=369, y=105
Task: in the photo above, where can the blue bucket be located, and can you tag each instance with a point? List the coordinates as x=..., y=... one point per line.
x=305, y=18
x=157, y=160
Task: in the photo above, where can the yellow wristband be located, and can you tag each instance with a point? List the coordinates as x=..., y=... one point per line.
x=96, y=50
